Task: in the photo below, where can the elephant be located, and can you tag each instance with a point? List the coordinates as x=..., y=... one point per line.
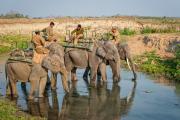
x=124, y=54
x=36, y=74
x=102, y=51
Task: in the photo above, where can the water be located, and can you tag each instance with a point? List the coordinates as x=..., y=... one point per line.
x=149, y=99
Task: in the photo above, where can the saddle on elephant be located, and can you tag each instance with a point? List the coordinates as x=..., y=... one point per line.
x=18, y=55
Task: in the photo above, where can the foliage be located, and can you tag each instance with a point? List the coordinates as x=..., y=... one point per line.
x=127, y=31
x=148, y=30
x=152, y=63
x=9, y=42
x=13, y=14
x=8, y=111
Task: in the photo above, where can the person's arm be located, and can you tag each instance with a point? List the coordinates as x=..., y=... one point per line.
x=74, y=31
x=42, y=41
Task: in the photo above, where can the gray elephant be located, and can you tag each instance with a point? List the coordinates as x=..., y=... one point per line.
x=124, y=54
x=102, y=51
x=36, y=74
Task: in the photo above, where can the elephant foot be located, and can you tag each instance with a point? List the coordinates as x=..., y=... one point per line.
x=75, y=94
x=53, y=88
x=41, y=96
x=74, y=80
x=14, y=95
x=66, y=90
x=30, y=97
x=92, y=84
x=133, y=79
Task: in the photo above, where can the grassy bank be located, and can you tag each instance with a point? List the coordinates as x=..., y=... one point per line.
x=8, y=111
x=150, y=62
x=9, y=42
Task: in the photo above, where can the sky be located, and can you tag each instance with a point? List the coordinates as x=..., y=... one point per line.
x=45, y=8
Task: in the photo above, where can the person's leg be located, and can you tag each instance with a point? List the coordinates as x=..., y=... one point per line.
x=80, y=36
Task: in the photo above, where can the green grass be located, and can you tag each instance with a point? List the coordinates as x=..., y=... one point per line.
x=150, y=62
x=127, y=31
x=8, y=111
x=149, y=30
x=9, y=42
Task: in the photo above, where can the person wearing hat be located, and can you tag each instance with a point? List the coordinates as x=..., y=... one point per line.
x=115, y=35
x=77, y=34
x=48, y=32
x=40, y=51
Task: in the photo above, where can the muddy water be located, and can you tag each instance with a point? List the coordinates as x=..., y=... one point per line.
x=149, y=99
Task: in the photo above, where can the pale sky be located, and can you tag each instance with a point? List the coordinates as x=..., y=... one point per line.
x=44, y=8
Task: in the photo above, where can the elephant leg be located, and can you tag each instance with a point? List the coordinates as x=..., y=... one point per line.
x=116, y=71
x=73, y=74
x=14, y=89
x=32, y=89
x=23, y=87
x=64, y=79
x=8, y=89
x=85, y=75
x=53, y=81
x=103, y=72
x=42, y=85
x=93, y=75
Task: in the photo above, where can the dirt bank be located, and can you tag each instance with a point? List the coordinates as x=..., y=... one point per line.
x=163, y=44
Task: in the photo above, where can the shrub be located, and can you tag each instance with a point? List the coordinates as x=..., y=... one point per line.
x=127, y=31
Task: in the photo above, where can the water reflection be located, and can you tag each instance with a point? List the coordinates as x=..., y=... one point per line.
x=101, y=104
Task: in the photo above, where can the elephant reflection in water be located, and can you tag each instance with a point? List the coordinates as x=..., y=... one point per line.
x=101, y=104
x=42, y=107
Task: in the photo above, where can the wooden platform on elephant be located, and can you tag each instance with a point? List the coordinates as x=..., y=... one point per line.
x=82, y=44
x=20, y=59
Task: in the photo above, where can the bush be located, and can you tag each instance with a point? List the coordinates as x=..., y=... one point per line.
x=148, y=30
x=13, y=14
x=127, y=31
x=152, y=63
x=13, y=41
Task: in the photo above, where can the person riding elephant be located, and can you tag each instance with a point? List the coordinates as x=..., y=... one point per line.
x=39, y=51
x=115, y=35
x=49, y=33
x=36, y=74
x=77, y=34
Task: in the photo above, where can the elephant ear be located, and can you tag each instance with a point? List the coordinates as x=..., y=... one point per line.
x=101, y=52
x=52, y=63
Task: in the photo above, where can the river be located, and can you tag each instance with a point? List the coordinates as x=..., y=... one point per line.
x=149, y=99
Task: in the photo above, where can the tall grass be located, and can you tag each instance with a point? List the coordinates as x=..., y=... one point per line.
x=9, y=42
x=149, y=30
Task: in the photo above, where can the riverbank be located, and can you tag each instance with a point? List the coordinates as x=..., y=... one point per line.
x=9, y=111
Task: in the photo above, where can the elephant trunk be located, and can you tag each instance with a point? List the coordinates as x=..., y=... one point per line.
x=131, y=67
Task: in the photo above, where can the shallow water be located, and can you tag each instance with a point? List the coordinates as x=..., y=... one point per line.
x=149, y=99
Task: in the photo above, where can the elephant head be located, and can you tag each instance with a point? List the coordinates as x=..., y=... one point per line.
x=109, y=52
x=124, y=53
x=53, y=63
